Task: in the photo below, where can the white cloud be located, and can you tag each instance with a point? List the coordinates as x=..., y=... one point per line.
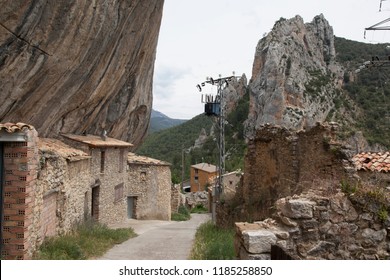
x=200, y=38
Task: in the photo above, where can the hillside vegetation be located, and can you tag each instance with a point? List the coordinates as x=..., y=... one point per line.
x=370, y=90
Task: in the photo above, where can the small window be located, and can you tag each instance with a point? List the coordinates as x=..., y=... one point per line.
x=196, y=171
x=121, y=160
x=143, y=176
x=196, y=178
x=118, y=192
x=102, y=160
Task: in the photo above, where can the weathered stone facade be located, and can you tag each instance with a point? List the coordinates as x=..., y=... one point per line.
x=63, y=188
x=149, y=186
x=281, y=163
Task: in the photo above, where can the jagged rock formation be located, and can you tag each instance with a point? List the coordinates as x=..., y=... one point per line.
x=79, y=66
x=295, y=77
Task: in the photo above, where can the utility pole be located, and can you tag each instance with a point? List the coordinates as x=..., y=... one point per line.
x=215, y=106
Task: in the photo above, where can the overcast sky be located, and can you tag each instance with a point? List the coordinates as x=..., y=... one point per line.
x=201, y=38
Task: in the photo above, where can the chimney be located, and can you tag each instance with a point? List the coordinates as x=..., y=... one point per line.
x=104, y=135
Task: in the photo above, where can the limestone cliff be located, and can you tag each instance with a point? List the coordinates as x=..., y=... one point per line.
x=79, y=66
x=295, y=77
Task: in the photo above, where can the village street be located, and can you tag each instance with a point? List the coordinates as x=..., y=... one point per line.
x=158, y=240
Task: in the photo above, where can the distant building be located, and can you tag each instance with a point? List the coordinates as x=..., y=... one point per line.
x=201, y=175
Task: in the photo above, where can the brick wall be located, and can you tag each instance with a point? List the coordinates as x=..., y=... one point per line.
x=20, y=171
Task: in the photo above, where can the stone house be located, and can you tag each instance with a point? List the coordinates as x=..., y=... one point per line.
x=201, y=175
x=48, y=186
x=148, y=192
x=108, y=175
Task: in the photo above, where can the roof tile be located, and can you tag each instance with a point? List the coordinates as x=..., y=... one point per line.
x=377, y=162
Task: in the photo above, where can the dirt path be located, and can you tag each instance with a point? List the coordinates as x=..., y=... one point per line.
x=158, y=240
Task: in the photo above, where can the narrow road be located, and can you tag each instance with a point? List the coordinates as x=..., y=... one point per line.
x=158, y=240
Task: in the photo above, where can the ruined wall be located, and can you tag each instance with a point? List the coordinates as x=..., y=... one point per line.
x=320, y=225
x=279, y=163
x=151, y=186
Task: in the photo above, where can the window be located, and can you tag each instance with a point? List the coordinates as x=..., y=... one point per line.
x=102, y=160
x=118, y=192
x=196, y=177
x=121, y=160
x=143, y=175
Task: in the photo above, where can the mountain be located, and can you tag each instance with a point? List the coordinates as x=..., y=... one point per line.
x=159, y=121
x=79, y=66
x=302, y=74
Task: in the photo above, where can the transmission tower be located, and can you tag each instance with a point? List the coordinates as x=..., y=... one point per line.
x=383, y=25
x=215, y=106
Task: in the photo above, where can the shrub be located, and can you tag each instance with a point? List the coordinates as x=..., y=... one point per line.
x=213, y=243
x=199, y=209
x=182, y=215
x=88, y=240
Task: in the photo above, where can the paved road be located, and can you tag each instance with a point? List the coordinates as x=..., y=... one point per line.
x=158, y=240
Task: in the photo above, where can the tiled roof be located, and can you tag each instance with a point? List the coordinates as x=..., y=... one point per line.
x=141, y=160
x=379, y=162
x=97, y=141
x=61, y=149
x=14, y=127
x=205, y=167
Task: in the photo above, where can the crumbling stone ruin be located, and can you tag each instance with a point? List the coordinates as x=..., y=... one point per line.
x=302, y=193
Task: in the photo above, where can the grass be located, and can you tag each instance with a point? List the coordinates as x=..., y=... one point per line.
x=213, y=243
x=87, y=241
x=182, y=215
x=199, y=209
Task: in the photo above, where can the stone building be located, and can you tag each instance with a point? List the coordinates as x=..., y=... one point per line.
x=49, y=186
x=148, y=192
x=201, y=174
x=108, y=175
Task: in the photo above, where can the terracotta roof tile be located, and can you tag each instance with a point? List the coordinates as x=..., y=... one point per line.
x=14, y=127
x=57, y=147
x=378, y=162
x=141, y=160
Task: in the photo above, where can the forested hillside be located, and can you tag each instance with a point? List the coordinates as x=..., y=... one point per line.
x=176, y=143
x=370, y=89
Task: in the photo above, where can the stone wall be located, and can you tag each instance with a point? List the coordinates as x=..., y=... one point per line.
x=319, y=225
x=176, y=198
x=111, y=209
x=279, y=163
x=150, y=185
x=65, y=184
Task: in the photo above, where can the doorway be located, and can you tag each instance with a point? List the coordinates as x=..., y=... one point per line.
x=95, y=203
x=131, y=203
